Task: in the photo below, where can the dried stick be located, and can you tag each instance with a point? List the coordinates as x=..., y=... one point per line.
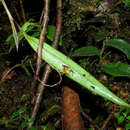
x=58, y=24
x=42, y=36
x=47, y=70
x=108, y=118
x=41, y=41
x=18, y=16
x=89, y=119
x=22, y=9
x=12, y=24
x=6, y=73
x=41, y=17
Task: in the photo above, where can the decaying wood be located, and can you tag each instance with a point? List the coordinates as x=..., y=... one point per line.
x=71, y=119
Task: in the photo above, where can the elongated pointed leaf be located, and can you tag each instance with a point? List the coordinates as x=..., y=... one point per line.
x=65, y=65
x=121, y=45
x=51, y=34
x=86, y=51
x=117, y=69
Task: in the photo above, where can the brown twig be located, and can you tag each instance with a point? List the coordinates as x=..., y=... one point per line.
x=58, y=23
x=41, y=41
x=108, y=118
x=12, y=24
x=47, y=69
x=42, y=36
x=6, y=73
x=18, y=16
x=41, y=17
x=106, y=121
x=39, y=93
x=22, y=9
x=89, y=119
x=53, y=85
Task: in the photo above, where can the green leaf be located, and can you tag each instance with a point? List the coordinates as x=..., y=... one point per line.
x=100, y=37
x=128, y=117
x=86, y=51
x=128, y=109
x=121, y=45
x=122, y=109
x=25, y=124
x=22, y=109
x=14, y=115
x=28, y=26
x=25, y=116
x=66, y=66
x=96, y=20
x=26, y=69
x=53, y=108
x=83, y=62
x=44, y=127
x=9, y=38
x=51, y=33
x=117, y=114
x=121, y=119
x=127, y=126
x=124, y=114
x=32, y=128
x=30, y=121
x=117, y=69
x=126, y=2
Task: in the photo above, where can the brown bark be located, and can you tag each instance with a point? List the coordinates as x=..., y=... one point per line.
x=22, y=9
x=71, y=119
